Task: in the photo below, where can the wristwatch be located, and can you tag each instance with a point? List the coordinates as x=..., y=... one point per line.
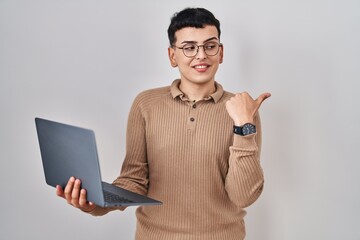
x=245, y=129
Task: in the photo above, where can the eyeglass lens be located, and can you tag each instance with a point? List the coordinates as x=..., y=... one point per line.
x=191, y=49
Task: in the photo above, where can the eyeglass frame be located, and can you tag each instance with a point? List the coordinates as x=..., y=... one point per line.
x=198, y=47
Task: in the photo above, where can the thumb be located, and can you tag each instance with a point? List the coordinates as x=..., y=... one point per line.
x=262, y=98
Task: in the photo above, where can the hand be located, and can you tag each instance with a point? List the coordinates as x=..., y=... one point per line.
x=75, y=196
x=242, y=108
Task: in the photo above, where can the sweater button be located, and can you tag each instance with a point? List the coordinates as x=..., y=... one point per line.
x=192, y=119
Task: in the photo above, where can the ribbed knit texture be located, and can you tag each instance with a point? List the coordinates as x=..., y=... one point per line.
x=186, y=155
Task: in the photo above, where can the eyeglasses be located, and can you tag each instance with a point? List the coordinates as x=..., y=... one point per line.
x=191, y=49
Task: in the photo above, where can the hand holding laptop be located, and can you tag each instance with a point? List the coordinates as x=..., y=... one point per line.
x=75, y=196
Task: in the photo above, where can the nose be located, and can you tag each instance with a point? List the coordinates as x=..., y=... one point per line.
x=201, y=53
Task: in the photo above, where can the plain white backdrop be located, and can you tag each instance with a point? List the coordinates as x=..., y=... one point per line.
x=83, y=61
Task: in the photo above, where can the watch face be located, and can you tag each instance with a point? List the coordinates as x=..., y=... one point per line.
x=248, y=128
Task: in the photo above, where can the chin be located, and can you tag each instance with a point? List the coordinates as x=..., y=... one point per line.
x=202, y=80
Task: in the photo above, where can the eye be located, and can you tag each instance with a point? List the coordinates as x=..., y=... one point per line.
x=210, y=46
x=189, y=47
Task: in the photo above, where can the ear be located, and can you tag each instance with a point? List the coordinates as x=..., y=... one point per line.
x=221, y=54
x=172, y=59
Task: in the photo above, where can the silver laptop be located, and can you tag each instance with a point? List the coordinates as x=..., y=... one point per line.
x=71, y=151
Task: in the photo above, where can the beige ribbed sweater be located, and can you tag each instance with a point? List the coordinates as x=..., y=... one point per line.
x=186, y=155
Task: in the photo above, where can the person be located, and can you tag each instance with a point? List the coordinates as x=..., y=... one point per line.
x=191, y=145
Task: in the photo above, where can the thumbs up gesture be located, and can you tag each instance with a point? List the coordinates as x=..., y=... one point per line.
x=242, y=108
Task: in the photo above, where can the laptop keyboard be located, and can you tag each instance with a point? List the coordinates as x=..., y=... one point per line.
x=112, y=198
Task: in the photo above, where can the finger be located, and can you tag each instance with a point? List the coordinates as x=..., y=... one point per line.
x=68, y=189
x=244, y=94
x=75, y=194
x=84, y=204
x=83, y=201
x=262, y=98
x=59, y=191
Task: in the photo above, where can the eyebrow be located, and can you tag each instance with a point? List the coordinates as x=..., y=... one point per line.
x=207, y=40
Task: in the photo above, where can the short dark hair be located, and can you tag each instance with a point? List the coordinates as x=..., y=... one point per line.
x=191, y=17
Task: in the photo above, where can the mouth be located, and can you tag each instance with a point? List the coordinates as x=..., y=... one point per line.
x=201, y=67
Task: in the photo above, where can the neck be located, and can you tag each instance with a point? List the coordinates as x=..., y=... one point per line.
x=196, y=92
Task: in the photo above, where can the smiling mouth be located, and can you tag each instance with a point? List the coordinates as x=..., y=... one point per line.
x=201, y=66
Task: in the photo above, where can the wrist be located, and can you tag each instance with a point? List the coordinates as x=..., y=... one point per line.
x=244, y=121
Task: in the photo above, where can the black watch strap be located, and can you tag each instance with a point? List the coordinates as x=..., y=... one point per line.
x=238, y=130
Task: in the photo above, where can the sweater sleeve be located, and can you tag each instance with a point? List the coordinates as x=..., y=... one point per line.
x=134, y=171
x=245, y=180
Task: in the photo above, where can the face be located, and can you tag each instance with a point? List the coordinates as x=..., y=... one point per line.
x=201, y=68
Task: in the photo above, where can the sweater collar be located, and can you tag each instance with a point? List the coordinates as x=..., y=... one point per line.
x=176, y=92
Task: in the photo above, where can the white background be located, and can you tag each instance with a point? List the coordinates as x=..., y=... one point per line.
x=83, y=61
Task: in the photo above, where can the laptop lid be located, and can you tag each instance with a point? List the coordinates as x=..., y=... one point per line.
x=68, y=151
